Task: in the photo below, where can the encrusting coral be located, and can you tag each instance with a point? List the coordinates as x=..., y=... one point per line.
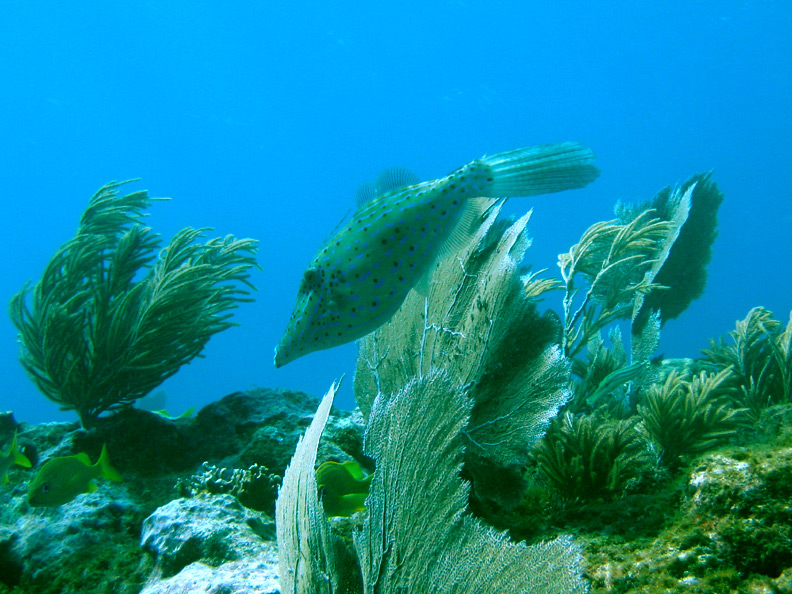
x=107, y=323
x=255, y=487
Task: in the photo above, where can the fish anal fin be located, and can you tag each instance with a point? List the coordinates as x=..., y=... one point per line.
x=466, y=228
x=424, y=283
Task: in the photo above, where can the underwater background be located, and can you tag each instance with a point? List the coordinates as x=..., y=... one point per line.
x=261, y=119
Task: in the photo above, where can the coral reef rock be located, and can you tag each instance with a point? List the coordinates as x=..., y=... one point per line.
x=210, y=544
x=139, y=534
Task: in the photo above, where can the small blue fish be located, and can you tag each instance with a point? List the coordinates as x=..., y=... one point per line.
x=362, y=274
x=14, y=456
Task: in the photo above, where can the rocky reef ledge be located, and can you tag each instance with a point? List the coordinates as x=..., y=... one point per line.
x=194, y=512
x=177, y=522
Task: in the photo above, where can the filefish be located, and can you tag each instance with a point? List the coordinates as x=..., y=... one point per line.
x=343, y=487
x=361, y=275
x=14, y=456
x=61, y=479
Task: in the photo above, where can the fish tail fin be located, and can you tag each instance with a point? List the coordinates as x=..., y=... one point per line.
x=540, y=169
x=18, y=457
x=107, y=471
x=21, y=460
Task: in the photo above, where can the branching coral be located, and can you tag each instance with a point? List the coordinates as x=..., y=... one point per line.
x=646, y=267
x=686, y=417
x=463, y=381
x=107, y=323
x=603, y=377
x=587, y=457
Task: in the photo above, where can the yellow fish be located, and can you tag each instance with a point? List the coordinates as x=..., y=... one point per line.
x=14, y=456
x=343, y=488
x=61, y=479
x=362, y=274
x=185, y=415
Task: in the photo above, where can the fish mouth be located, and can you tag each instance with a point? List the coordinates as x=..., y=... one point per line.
x=280, y=358
x=284, y=353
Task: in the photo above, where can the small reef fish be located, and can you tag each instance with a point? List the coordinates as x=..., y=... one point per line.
x=343, y=488
x=361, y=275
x=14, y=456
x=185, y=415
x=61, y=479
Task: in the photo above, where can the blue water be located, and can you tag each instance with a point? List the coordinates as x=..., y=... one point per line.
x=261, y=119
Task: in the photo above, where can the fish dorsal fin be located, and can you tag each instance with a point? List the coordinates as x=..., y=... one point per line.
x=394, y=178
x=83, y=457
x=365, y=194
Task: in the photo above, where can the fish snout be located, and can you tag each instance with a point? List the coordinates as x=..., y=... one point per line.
x=282, y=356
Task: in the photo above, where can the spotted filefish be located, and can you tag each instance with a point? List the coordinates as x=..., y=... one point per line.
x=361, y=275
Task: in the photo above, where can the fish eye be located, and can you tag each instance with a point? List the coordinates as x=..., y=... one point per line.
x=311, y=279
x=322, y=493
x=45, y=487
